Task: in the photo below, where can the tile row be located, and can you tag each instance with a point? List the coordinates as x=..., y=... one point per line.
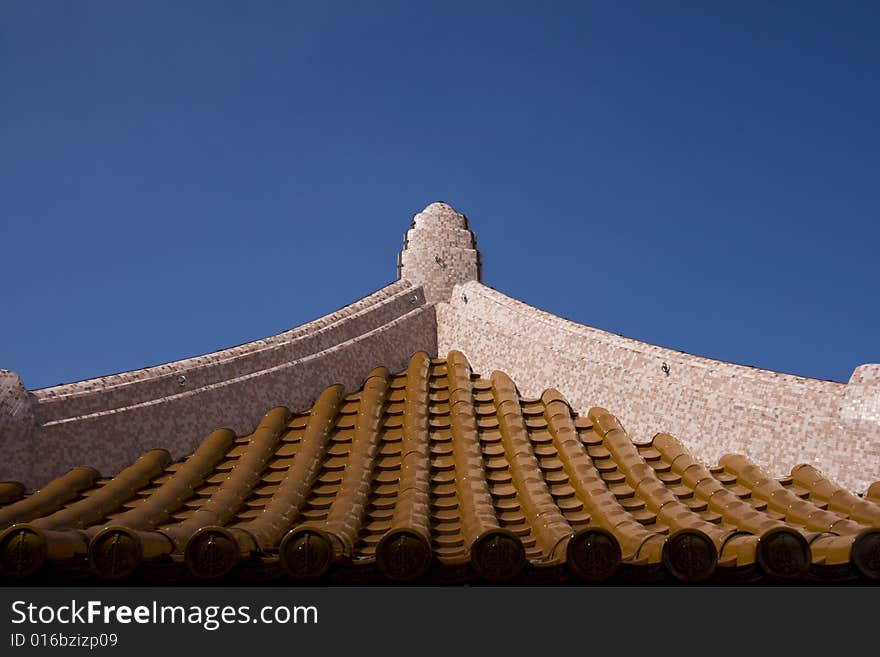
x=435, y=474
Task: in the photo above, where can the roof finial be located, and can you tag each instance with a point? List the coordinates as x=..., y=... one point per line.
x=439, y=251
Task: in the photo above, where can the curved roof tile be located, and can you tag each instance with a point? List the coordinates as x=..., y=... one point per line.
x=435, y=474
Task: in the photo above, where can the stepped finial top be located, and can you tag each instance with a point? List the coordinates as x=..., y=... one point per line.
x=439, y=251
x=441, y=213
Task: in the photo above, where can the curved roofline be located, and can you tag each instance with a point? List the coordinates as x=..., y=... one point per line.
x=357, y=307
x=713, y=405
x=604, y=332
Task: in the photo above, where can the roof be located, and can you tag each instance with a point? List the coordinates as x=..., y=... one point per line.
x=439, y=304
x=436, y=474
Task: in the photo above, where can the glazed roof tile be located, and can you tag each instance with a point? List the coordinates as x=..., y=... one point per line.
x=435, y=474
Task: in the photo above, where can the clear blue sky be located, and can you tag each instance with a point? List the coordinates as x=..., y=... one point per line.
x=180, y=177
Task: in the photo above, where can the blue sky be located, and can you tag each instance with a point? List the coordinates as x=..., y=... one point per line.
x=180, y=177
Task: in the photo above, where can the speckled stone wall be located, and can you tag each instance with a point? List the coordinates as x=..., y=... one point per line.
x=141, y=386
x=108, y=422
x=775, y=419
x=856, y=431
x=17, y=426
x=179, y=423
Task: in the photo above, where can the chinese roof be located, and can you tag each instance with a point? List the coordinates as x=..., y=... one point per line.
x=363, y=446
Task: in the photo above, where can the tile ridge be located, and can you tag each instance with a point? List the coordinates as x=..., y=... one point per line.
x=557, y=322
x=325, y=323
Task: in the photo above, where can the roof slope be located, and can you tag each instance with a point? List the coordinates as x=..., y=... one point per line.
x=437, y=305
x=109, y=420
x=435, y=474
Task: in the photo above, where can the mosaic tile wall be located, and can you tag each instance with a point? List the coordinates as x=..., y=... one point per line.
x=138, y=386
x=859, y=420
x=107, y=422
x=714, y=407
x=16, y=426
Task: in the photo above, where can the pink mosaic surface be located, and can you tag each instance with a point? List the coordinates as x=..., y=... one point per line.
x=108, y=422
x=777, y=420
x=17, y=426
x=127, y=388
x=439, y=251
